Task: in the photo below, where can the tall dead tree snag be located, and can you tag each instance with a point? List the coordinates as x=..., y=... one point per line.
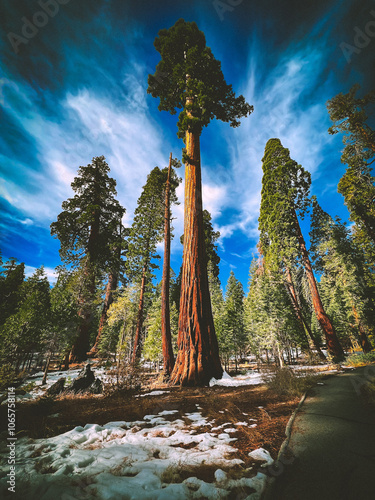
x=146, y=232
x=168, y=356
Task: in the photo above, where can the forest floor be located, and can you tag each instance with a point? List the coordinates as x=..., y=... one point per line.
x=172, y=425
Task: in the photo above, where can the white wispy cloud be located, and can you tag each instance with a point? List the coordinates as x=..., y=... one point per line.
x=283, y=109
x=129, y=138
x=49, y=272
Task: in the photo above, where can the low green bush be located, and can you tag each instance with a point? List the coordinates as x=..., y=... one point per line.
x=7, y=376
x=285, y=382
x=360, y=358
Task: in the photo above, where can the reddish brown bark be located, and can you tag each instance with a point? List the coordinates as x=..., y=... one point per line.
x=365, y=343
x=297, y=309
x=333, y=344
x=166, y=336
x=198, y=352
x=137, y=340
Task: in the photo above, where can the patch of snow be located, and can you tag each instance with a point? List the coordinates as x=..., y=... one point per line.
x=153, y=393
x=251, y=378
x=104, y=461
x=262, y=455
x=220, y=476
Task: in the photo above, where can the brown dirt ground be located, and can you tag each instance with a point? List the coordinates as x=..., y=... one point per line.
x=219, y=404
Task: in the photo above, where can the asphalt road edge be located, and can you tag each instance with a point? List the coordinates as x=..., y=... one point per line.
x=267, y=492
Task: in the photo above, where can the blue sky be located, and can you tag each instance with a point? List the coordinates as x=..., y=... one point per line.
x=75, y=87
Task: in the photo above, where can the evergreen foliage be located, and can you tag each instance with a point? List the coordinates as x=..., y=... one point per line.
x=188, y=77
x=25, y=330
x=90, y=222
x=350, y=115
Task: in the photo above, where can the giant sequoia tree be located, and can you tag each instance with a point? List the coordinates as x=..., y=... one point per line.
x=189, y=78
x=285, y=191
x=88, y=229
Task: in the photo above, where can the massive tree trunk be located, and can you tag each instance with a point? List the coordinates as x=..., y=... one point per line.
x=166, y=336
x=198, y=352
x=299, y=314
x=138, y=333
x=333, y=344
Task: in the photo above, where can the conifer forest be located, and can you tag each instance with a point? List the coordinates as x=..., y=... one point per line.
x=146, y=294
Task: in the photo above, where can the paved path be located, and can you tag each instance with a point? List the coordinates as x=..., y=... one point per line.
x=332, y=444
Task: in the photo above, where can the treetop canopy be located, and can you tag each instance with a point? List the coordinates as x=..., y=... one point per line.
x=188, y=77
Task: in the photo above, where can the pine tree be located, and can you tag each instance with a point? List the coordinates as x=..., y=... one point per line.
x=64, y=310
x=285, y=188
x=234, y=317
x=146, y=232
x=116, y=273
x=24, y=332
x=350, y=116
x=88, y=228
x=218, y=311
x=119, y=331
x=10, y=286
x=344, y=274
x=269, y=320
x=194, y=83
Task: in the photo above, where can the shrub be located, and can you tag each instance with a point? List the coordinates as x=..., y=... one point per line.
x=285, y=382
x=360, y=358
x=125, y=376
x=7, y=376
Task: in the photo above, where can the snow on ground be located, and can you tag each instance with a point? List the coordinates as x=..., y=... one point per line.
x=130, y=461
x=53, y=377
x=152, y=393
x=252, y=377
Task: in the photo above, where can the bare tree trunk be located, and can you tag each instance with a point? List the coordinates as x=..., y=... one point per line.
x=168, y=356
x=300, y=317
x=365, y=343
x=333, y=344
x=137, y=339
x=279, y=356
x=198, y=352
x=44, y=381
